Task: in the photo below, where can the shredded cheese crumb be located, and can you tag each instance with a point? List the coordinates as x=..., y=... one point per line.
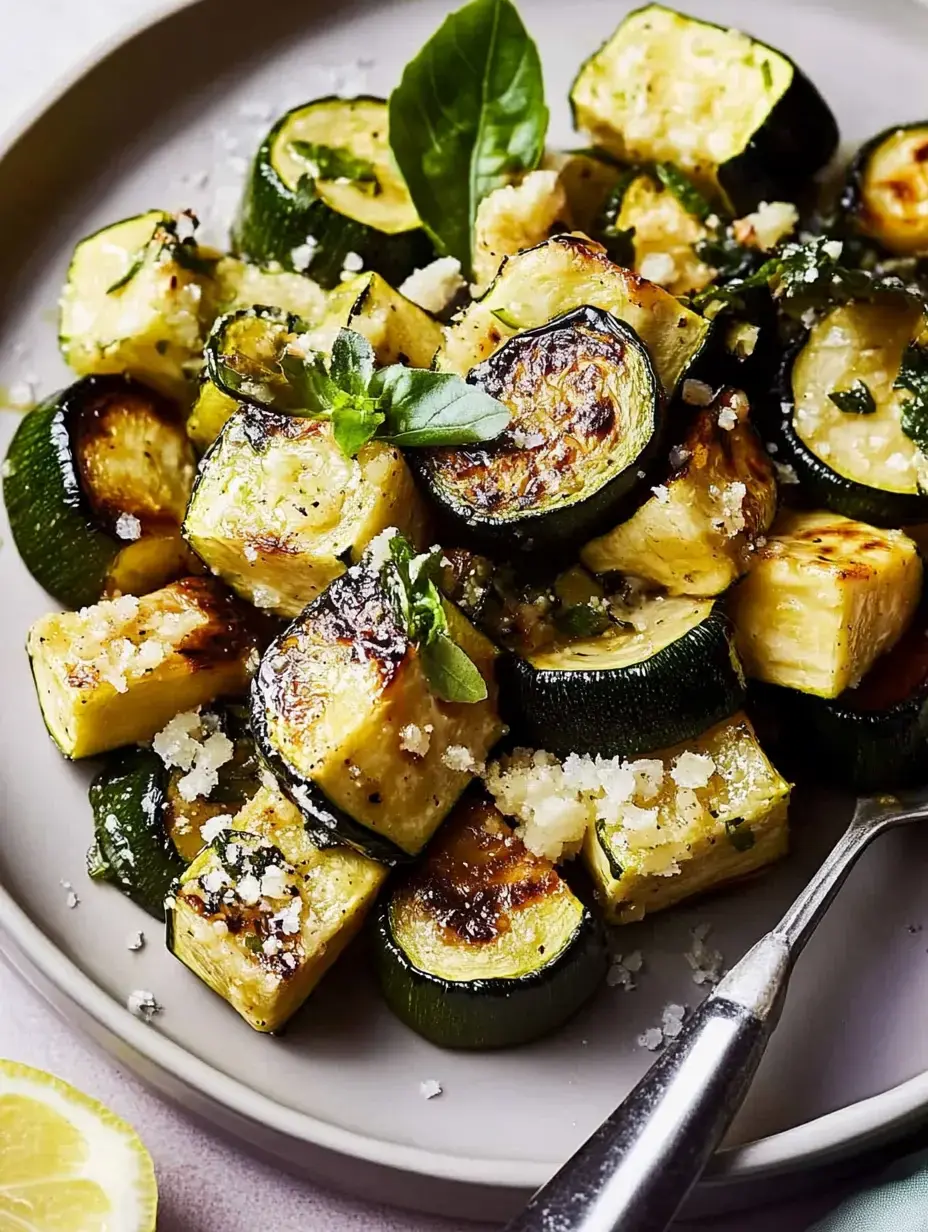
x=434, y=286
x=770, y=223
x=692, y=769
x=210, y=830
x=430, y=1088
x=136, y=942
x=142, y=1004
x=128, y=527
x=727, y=418
x=658, y=267
x=416, y=740
x=662, y=493
x=457, y=757
x=697, y=393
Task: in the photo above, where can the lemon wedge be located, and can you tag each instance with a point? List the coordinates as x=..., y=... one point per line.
x=67, y=1164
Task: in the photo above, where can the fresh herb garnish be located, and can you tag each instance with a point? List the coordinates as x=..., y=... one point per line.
x=336, y=162
x=740, y=836
x=855, y=400
x=581, y=620
x=411, y=582
x=409, y=407
x=468, y=117
x=685, y=191
x=913, y=379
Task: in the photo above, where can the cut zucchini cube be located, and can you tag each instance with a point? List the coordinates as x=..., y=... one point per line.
x=824, y=599
x=696, y=535
x=262, y=913
x=278, y=509
x=115, y=673
x=134, y=302
x=240, y=284
x=343, y=713
x=705, y=812
x=398, y=330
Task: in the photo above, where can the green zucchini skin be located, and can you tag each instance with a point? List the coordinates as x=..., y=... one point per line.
x=128, y=801
x=819, y=486
x=274, y=219
x=493, y=1013
x=562, y=529
x=674, y=695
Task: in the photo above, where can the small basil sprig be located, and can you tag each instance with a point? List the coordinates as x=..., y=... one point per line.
x=336, y=162
x=411, y=583
x=855, y=400
x=409, y=407
x=913, y=379
x=468, y=117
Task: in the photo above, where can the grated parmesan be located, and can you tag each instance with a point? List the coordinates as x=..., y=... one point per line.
x=434, y=286
x=697, y=393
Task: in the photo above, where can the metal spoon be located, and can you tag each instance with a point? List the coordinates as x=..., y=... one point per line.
x=634, y=1173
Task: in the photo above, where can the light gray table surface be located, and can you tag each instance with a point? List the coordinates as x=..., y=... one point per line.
x=206, y=1184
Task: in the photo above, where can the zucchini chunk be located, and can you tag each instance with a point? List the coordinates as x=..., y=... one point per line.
x=278, y=510
x=263, y=913
x=566, y=272
x=697, y=533
x=343, y=715
x=588, y=178
x=704, y=813
x=823, y=600
x=736, y=115
x=664, y=237
x=115, y=673
x=95, y=483
x=886, y=194
x=873, y=737
x=662, y=672
x=240, y=284
x=587, y=418
x=483, y=945
x=399, y=331
x=854, y=457
x=136, y=300
x=324, y=186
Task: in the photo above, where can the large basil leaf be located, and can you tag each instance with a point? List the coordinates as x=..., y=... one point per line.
x=467, y=117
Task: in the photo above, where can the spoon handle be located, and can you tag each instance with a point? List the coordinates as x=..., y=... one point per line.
x=633, y=1174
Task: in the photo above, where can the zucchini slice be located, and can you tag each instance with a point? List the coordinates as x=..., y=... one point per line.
x=240, y=284
x=96, y=482
x=587, y=418
x=343, y=715
x=872, y=737
x=705, y=813
x=263, y=913
x=588, y=177
x=696, y=535
x=853, y=458
x=664, y=674
x=137, y=300
x=399, y=331
x=886, y=194
x=736, y=115
x=278, y=510
x=824, y=599
x=115, y=673
x=566, y=272
x=483, y=945
x=324, y=177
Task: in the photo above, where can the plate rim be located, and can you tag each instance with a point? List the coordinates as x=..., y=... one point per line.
x=836, y=1135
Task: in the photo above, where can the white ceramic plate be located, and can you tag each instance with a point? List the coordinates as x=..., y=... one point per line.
x=339, y=1094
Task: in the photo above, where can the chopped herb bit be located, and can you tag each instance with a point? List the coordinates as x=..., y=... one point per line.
x=330, y=162
x=913, y=379
x=582, y=620
x=740, y=836
x=684, y=190
x=855, y=400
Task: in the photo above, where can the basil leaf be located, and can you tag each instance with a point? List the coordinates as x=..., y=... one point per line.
x=352, y=363
x=855, y=400
x=188, y=256
x=435, y=408
x=468, y=116
x=913, y=378
x=685, y=191
x=353, y=425
x=336, y=162
x=740, y=836
x=452, y=676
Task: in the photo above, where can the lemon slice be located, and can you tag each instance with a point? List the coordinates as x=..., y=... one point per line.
x=67, y=1164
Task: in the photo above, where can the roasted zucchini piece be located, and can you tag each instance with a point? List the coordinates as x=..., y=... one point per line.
x=823, y=600
x=661, y=671
x=324, y=187
x=241, y=284
x=263, y=913
x=839, y=423
x=136, y=300
x=704, y=813
x=588, y=177
x=873, y=737
x=115, y=673
x=566, y=272
x=483, y=945
x=278, y=510
x=398, y=330
x=736, y=115
x=886, y=194
x=587, y=420
x=95, y=482
x=696, y=534
x=343, y=714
